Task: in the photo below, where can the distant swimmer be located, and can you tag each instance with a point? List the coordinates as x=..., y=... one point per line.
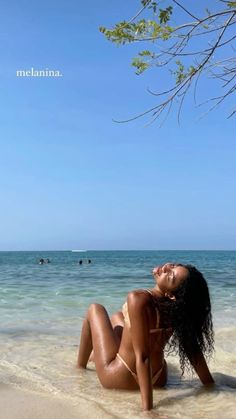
x=88, y=261
x=44, y=261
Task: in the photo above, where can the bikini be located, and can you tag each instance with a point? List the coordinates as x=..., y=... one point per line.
x=156, y=329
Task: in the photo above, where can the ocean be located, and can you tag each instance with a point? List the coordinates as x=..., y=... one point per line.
x=42, y=309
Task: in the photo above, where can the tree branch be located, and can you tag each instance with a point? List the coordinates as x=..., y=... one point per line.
x=187, y=11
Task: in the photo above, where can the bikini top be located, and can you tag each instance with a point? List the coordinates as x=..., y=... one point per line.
x=156, y=329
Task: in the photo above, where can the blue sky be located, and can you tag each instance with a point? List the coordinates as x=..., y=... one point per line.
x=71, y=177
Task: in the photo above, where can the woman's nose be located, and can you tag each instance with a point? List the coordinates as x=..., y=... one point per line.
x=167, y=267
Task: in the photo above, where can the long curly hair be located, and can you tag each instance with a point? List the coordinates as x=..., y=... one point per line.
x=191, y=319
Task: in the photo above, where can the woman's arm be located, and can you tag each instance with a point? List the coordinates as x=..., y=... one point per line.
x=201, y=368
x=137, y=303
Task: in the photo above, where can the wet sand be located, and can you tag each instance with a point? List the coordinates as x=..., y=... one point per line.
x=19, y=404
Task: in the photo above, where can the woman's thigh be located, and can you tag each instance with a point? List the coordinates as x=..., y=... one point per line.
x=117, y=322
x=110, y=371
x=104, y=341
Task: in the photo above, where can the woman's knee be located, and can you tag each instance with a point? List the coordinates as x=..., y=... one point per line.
x=95, y=308
x=117, y=319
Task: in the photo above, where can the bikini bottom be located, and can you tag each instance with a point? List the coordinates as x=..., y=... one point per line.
x=155, y=376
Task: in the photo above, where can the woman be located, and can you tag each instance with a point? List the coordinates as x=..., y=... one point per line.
x=128, y=350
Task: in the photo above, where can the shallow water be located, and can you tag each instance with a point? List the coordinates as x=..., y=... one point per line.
x=42, y=308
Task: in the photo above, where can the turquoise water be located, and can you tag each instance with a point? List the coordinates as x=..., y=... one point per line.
x=63, y=289
x=42, y=307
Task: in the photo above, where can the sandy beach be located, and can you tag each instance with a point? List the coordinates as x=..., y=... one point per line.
x=19, y=404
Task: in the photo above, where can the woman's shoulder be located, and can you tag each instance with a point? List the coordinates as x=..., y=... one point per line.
x=138, y=297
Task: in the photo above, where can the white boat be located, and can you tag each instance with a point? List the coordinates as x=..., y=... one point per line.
x=79, y=250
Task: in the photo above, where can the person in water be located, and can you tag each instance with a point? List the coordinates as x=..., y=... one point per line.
x=43, y=261
x=128, y=349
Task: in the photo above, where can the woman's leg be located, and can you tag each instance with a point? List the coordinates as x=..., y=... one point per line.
x=85, y=346
x=97, y=334
x=117, y=321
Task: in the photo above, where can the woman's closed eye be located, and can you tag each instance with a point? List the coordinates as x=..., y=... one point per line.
x=171, y=276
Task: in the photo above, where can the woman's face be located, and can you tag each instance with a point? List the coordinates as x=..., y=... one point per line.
x=170, y=276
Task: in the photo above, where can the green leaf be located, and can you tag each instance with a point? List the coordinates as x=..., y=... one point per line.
x=145, y=2
x=165, y=14
x=140, y=65
x=231, y=4
x=192, y=70
x=145, y=53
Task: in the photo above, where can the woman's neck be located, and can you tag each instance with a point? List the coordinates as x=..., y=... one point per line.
x=156, y=292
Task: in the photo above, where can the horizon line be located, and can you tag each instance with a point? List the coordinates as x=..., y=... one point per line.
x=123, y=250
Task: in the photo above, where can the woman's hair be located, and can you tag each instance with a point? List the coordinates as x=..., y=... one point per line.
x=191, y=319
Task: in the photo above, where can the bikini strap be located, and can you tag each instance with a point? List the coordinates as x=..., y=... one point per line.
x=127, y=366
